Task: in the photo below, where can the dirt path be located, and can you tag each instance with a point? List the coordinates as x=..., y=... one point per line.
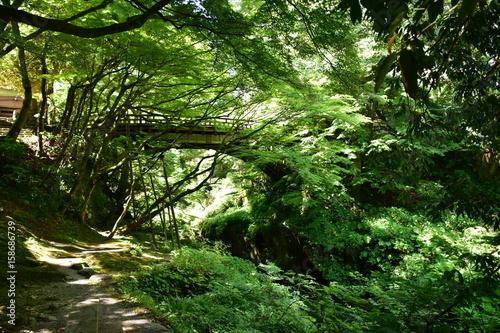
x=51, y=304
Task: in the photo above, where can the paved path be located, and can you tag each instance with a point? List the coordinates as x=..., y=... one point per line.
x=53, y=304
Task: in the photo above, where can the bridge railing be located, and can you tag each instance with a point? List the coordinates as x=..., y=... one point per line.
x=220, y=124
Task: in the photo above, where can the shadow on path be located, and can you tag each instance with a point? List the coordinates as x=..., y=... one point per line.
x=51, y=304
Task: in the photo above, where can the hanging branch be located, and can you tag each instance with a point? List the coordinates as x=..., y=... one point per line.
x=124, y=211
x=171, y=205
x=146, y=198
x=155, y=208
x=16, y=15
x=162, y=214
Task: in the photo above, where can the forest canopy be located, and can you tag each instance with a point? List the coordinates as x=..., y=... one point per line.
x=350, y=148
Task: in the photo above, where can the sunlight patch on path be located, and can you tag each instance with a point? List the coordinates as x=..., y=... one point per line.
x=115, y=315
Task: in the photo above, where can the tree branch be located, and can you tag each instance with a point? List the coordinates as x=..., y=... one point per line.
x=134, y=22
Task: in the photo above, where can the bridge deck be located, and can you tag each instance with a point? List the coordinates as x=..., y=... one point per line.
x=183, y=131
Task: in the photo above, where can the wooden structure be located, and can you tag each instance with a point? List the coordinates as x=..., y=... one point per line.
x=183, y=132
x=8, y=107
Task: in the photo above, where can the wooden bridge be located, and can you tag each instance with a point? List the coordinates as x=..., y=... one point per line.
x=181, y=132
x=191, y=132
x=8, y=107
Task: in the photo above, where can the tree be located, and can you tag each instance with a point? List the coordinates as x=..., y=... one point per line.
x=12, y=13
x=434, y=44
x=343, y=165
x=28, y=93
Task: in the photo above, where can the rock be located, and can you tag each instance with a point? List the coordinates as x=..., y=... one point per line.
x=84, y=317
x=79, y=266
x=102, y=279
x=87, y=272
x=156, y=327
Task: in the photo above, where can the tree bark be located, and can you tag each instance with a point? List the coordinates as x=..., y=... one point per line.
x=68, y=109
x=15, y=15
x=124, y=211
x=24, y=114
x=81, y=170
x=162, y=214
x=146, y=199
x=171, y=205
x=43, y=107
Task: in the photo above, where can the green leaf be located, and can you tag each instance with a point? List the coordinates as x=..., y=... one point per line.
x=409, y=71
x=466, y=9
x=355, y=12
x=382, y=69
x=396, y=23
x=435, y=9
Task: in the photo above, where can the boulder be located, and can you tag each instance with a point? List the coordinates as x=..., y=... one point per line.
x=156, y=327
x=79, y=266
x=87, y=272
x=102, y=279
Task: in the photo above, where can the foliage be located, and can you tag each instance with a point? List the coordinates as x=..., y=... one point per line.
x=384, y=182
x=25, y=178
x=404, y=273
x=316, y=154
x=401, y=306
x=11, y=152
x=205, y=291
x=416, y=275
x=214, y=226
x=471, y=196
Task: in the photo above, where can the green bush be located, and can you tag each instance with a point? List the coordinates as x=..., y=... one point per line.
x=12, y=153
x=27, y=180
x=413, y=273
x=214, y=226
x=205, y=291
x=15, y=168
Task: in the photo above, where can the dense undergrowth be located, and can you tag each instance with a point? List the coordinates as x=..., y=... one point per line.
x=417, y=276
x=210, y=291
x=30, y=202
x=383, y=269
x=32, y=193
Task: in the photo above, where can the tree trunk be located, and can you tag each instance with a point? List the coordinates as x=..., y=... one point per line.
x=43, y=107
x=124, y=211
x=68, y=109
x=170, y=227
x=24, y=114
x=81, y=170
x=95, y=176
x=162, y=214
x=146, y=199
x=171, y=205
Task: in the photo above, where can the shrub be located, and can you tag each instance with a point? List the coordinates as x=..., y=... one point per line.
x=12, y=153
x=214, y=227
x=205, y=291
